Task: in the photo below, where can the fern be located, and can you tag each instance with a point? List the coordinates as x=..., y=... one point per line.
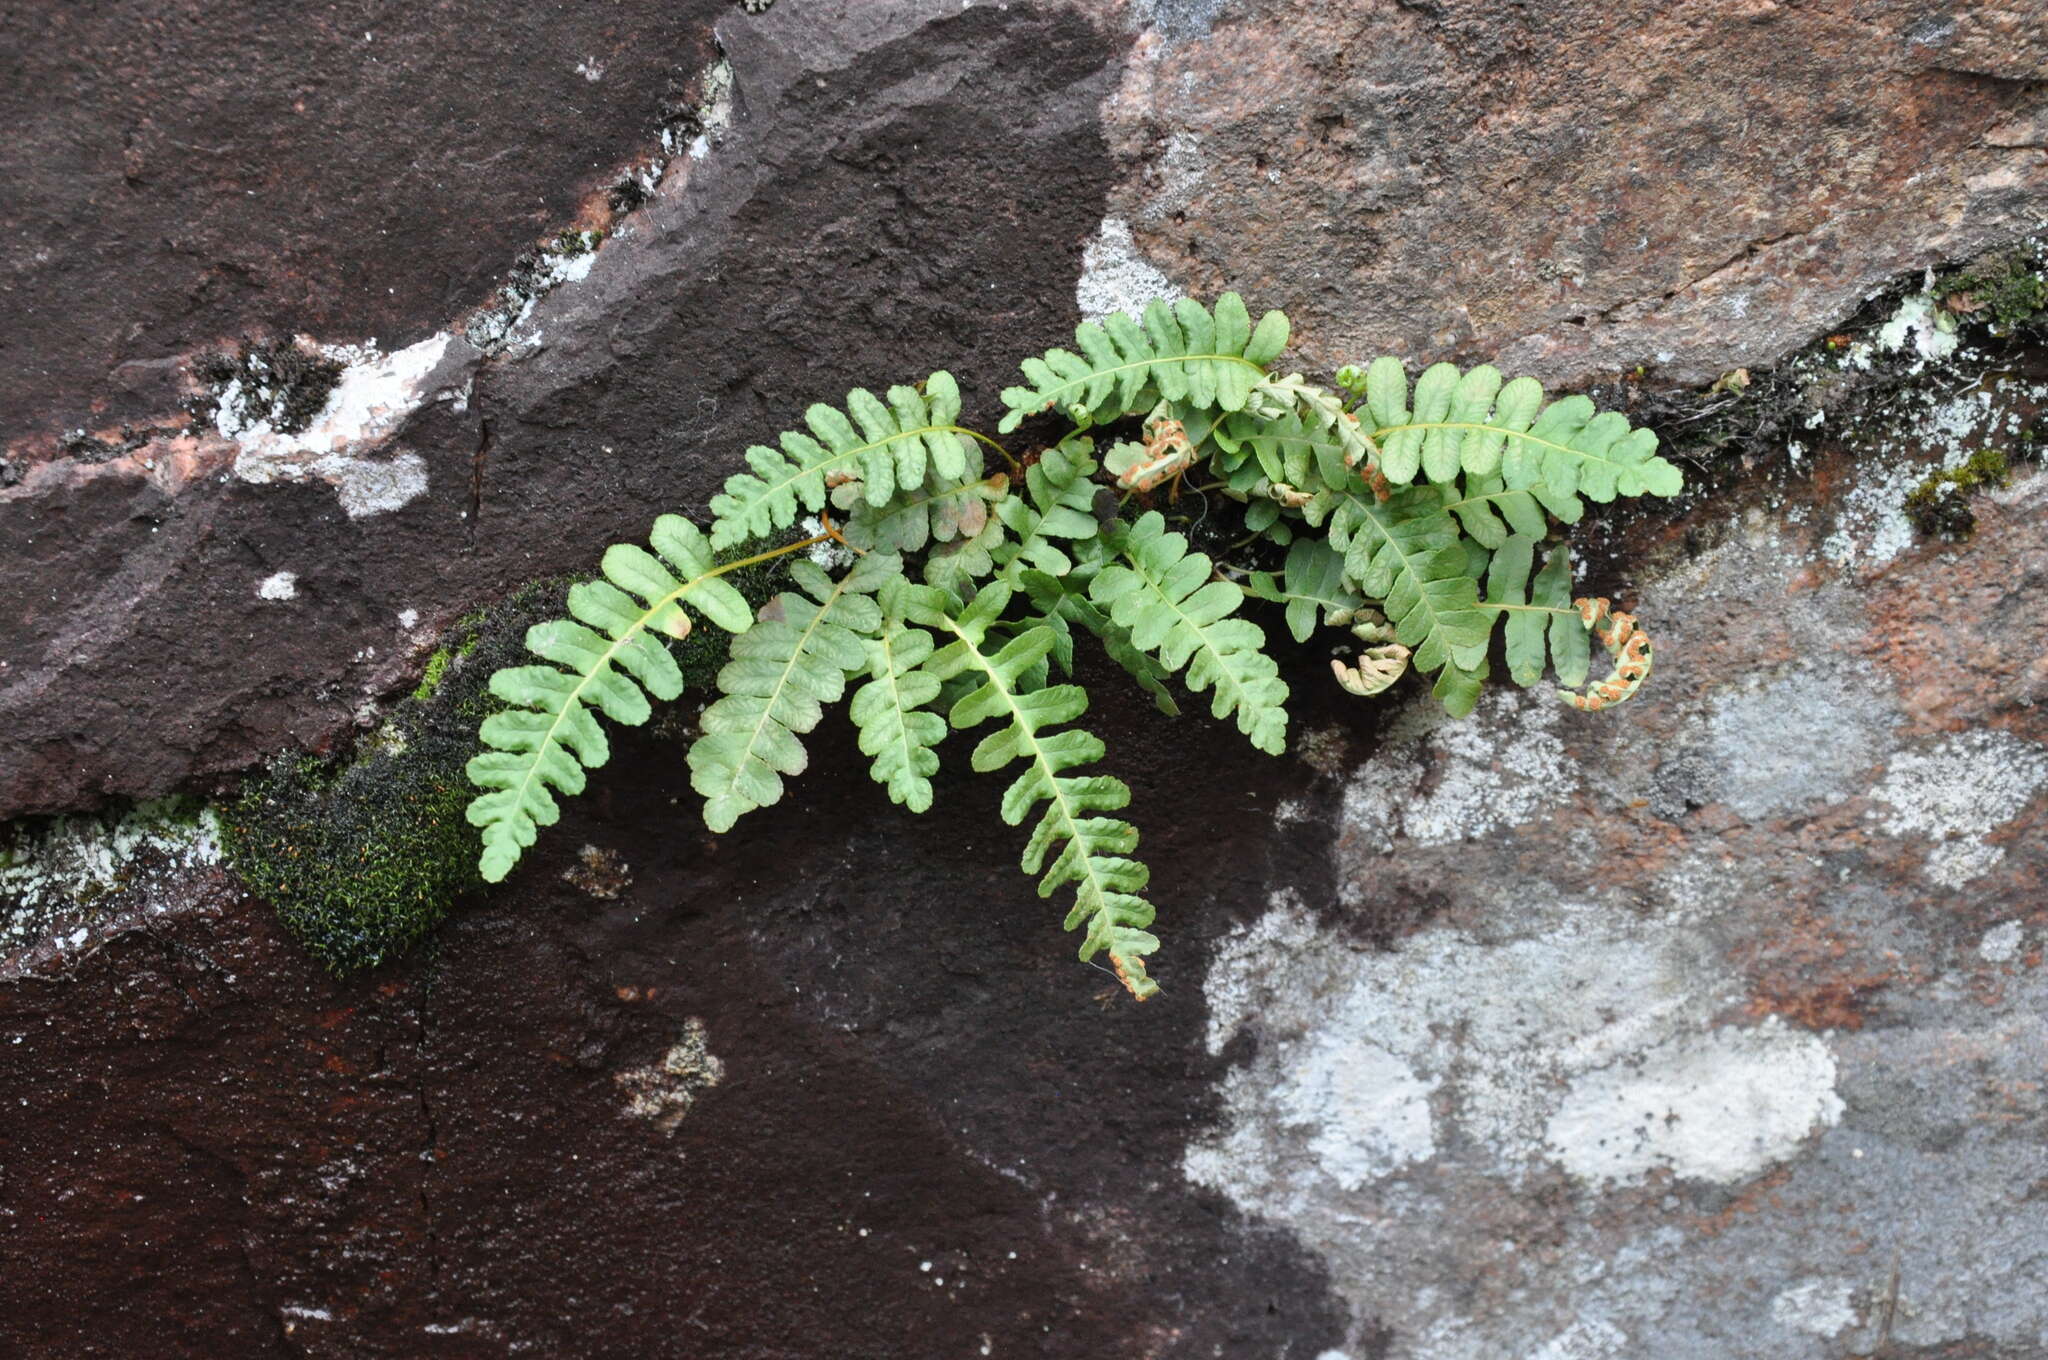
x=602, y=657
x=782, y=672
x=1407, y=554
x=1181, y=353
x=1070, y=844
x=1165, y=595
x=1311, y=583
x=1412, y=518
x=890, y=710
x=1058, y=507
x=1475, y=424
x=885, y=446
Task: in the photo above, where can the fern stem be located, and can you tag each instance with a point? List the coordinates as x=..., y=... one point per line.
x=1523, y=435
x=1016, y=468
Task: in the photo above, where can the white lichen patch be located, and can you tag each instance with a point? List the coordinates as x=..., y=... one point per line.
x=1958, y=793
x=1548, y=1047
x=1782, y=742
x=2001, y=943
x=663, y=1093
x=714, y=109
x=374, y=396
x=1922, y=326
x=279, y=585
x=505, y=326
x=828, y=553
x=1870, y=523
x=1821, y=1308
x=75, y=863
x=1720, y=1106
x=1438, y=781
x=1115, y=277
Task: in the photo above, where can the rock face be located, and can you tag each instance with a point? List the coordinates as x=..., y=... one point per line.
x=1710, y=1026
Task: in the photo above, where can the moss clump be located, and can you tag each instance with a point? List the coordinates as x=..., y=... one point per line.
x=362, y=857
x=1940, y=505
x=274, y=383
x=2007, y=290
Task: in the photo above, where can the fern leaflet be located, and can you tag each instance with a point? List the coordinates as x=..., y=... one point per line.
x=1312, y=582
x=884, y=446
x=549, y=735
x=1473, y=423
x=1408, y=554
x=889, y=709
x=783, y=670
x=1165, y=595
x=1181, y=353
x=1070, y=844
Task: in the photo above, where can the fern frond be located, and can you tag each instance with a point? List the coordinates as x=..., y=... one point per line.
x=1407, y=554
x=1165, y=595
x=1490, y=513
x=1311, y=582
x=941, y=509
x=1064, y=603
x=1626, y=642
x=891, y=711
x=1070, y=843
x=1058, y=506
x=782, y=672
x=1182, y=353
x=1474, y=424
x=602, y=657
x=1541, y=626
x=884, y=446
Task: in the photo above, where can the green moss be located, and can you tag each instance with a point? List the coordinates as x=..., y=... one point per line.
x=2007, y=290
x=436, y=671
x=1940, y=505
x=363, y=856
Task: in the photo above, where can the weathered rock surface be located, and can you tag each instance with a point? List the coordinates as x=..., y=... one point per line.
x=1574, y=189
x=1711, y=1026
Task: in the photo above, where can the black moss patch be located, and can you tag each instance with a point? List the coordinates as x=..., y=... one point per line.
x=269, y=381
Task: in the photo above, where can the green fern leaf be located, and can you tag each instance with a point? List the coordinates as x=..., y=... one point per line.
x=1163, y=593
x=1182, y=353
x=1311, y=584
x=890, y=714
x=782, y=672
x=1070, y=844
x=1490, y=512
x=1407, y=554
x=1064, y=602
x=1474, y=424
x=601, y=658
x=940, y=510
x=883, y=446
x=1057, y=507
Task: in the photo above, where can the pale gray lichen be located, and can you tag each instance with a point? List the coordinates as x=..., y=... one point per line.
x=662, y=1093
x=1958, y=793
x=65, y=870
x=1115, y=277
